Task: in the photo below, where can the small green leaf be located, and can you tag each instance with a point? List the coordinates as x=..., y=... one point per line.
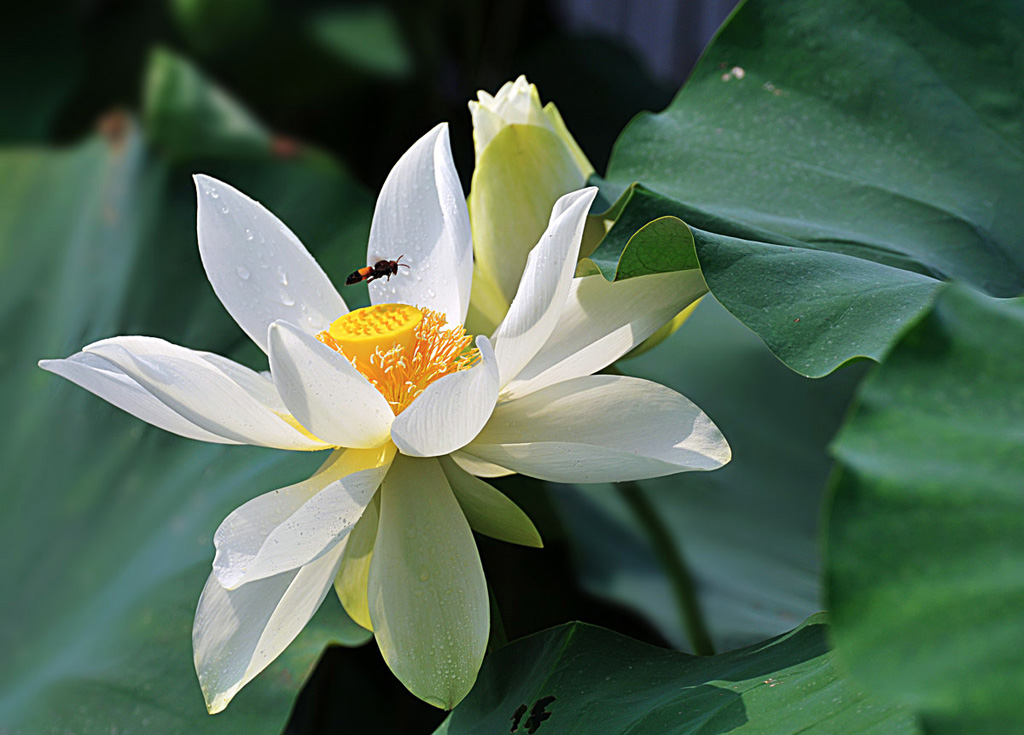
x=925, y=553
x=635, y=208
x=580, y=679
x=644, y=239
x=661, y=246
x=488, y=510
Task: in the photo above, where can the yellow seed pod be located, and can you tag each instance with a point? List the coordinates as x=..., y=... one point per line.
x=359, y=333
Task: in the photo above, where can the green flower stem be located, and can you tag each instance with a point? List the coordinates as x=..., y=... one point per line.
x=672, y=560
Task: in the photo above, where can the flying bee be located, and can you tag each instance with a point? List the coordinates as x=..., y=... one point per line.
x=380, y=269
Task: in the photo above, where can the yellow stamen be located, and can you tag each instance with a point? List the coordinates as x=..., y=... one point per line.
x=400, y=349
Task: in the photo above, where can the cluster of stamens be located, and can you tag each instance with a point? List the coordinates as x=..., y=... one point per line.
x=402, y=369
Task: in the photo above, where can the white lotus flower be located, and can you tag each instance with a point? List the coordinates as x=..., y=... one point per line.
x=413, y=416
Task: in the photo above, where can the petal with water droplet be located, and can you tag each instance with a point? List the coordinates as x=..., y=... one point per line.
x=433, y=631
x=239, y=244
x=237, y=633
x=290, y=527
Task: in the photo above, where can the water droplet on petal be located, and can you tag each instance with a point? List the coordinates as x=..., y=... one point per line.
x=286, y=299
x=282, y=276
x=243, y=273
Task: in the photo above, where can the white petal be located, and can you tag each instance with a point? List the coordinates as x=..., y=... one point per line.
x=324, y=392
x=545, y=284
x=421, y=215
x=602, y=321
x=238, y=632
x=477, y=467
x=204, y=394
x=450, y=412
x=427, y=592
x=108, y=382
x=287, y=528
x=486, y=124
x=257, y=267
x=259, y=385
x=601, y=428
x=243, y=533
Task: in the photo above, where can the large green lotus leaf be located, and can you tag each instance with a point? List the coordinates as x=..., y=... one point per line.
x=925, y=557
x=837, y=162
x=748, y=532
x=580, y=679
x=108, y=523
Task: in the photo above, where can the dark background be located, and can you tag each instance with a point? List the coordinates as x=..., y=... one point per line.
x=360, y=92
